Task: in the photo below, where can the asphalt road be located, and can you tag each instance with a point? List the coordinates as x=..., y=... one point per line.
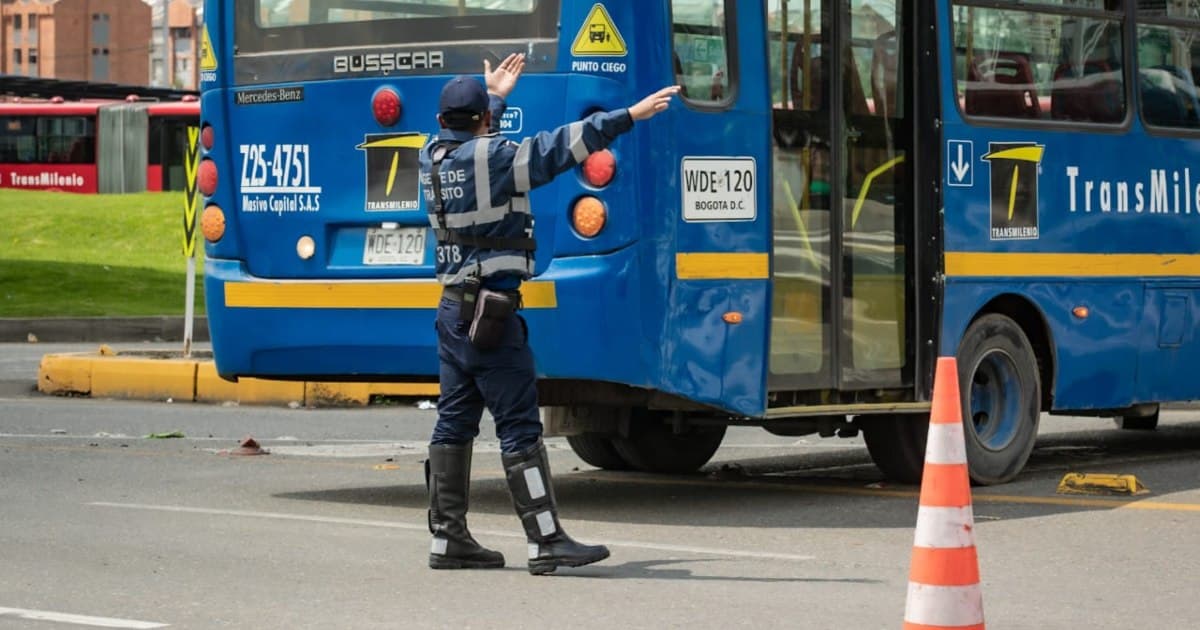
x=100, y=525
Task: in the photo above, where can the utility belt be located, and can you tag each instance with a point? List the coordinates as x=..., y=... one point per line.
x=486, y=311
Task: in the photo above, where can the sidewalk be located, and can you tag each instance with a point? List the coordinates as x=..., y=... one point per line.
x=113, y=371
x=99, y=329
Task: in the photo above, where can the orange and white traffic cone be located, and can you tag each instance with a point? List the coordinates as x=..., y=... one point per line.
x=943, y=583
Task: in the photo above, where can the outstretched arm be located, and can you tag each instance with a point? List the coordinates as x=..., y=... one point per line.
x=648, y=107
x=541, y=158
x=500, y=83
x=503, y=79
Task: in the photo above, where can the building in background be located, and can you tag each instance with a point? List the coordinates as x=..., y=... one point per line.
x=183, y=37
x=111, y=41
x=175, y=44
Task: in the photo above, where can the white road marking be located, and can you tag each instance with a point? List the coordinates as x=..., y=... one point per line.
x=78, y=620
x=335, y=520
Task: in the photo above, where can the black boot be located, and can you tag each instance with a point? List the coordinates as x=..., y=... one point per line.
x=448, y=479
x=528, y=474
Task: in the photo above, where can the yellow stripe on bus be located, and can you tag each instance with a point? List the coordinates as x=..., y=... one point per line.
x=986, y=264
x=722, y=266
x=397, y=295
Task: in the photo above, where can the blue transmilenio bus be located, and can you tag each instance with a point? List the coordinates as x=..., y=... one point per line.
x=846, y=191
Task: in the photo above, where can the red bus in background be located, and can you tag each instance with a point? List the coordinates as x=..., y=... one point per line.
x=167, y=142
x=95, y=146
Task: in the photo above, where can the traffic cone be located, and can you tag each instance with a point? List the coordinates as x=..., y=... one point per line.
x=943, y=584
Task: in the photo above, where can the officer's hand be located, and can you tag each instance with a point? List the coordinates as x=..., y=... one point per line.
x=653, y=104
x=503, y=79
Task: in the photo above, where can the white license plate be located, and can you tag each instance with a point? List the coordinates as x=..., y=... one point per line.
x=394, y=246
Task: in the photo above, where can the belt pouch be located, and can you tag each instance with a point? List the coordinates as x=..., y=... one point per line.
x=470, y=297
x=492, y=311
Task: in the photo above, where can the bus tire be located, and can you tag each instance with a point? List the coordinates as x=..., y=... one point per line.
x=897, y=445
x=653, y=446
x=596, y=449
x=1001, y=398
x=1146, y=422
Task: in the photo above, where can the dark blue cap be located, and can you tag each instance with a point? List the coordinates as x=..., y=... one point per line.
x=463, y=94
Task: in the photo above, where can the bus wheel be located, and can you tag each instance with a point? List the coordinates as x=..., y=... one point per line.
x=1141, y=422
x=597, y=450
x=897, y=445
x=654, y=447
x=1001, y=391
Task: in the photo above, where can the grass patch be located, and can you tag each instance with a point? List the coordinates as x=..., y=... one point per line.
x=70, y=255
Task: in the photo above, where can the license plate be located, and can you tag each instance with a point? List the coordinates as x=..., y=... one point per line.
x=394, y=246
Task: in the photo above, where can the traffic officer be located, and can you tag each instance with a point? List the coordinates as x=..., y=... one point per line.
x=475, y=184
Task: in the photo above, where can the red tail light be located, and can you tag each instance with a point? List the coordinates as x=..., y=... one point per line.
x=206, y=177
x=600, y=168
x=386, y=105
x=207, y=137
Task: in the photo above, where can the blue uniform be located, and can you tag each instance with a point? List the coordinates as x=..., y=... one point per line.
x=483, y=182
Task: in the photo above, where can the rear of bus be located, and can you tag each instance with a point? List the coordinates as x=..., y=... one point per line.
x=319, y=254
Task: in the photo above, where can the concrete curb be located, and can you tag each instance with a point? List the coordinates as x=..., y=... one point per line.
x=166, y=375
x=100, y=329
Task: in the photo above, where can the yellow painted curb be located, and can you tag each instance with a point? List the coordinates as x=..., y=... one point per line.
x=144, y=379
x=111, y=375
x=336, y=394
x=406, y=389
x=346, y=394
x=211, y=388
x=65, y=374
x=257, y=391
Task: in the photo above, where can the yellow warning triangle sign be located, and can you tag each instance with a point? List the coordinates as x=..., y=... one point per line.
x=598, y=36
x=208, y=61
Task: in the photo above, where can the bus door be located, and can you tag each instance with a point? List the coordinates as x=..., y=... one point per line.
x=842, y=202
x=168, y=150
x=722, y=259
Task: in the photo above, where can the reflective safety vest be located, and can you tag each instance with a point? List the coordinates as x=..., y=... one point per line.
x=483, y=223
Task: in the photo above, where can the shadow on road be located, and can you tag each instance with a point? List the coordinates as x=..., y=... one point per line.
x=829, y=490
x=646, y=570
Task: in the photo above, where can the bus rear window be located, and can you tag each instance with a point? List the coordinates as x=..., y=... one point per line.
x=266, y=26
x=282, y=13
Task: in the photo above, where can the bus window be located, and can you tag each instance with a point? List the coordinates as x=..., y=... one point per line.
x=800, y=326
x=66, y=140
x=18, y=140
x=296, y=12
x=877, y=203
x=269, y=26
x=1166, y=68
x=168, y=145
x=796, y=58
x=1061, y=63
x=701, y=50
